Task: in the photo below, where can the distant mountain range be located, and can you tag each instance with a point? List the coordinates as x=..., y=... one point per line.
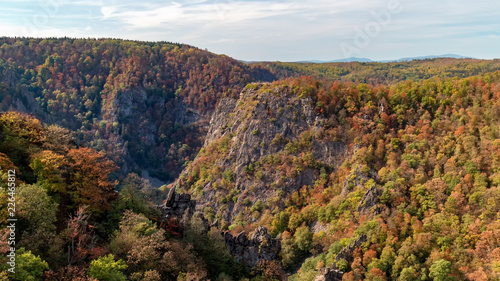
x=351, y=59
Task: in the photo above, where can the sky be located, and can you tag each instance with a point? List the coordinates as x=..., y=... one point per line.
x=273, y=30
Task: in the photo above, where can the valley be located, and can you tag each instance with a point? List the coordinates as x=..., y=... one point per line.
x=259, y=171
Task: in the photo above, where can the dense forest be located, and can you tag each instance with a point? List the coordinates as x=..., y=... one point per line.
x=419, y=177
x=134, y=101
x=360, y=171
x=375, y=73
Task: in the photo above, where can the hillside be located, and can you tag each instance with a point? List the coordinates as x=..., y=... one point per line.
x=413, y=168
x=147, y=104
x=143, y=104
x=277, y=171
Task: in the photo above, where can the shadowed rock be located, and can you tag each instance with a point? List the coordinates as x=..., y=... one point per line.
x=260, y=246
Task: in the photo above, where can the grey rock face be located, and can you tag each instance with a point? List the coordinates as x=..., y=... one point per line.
x=177, y=205
x=346, y=253
x=258, y=126
x=260, y=246
x=369, y=200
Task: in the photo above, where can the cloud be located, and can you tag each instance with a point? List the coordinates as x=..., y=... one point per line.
x=268, y=30
x=197, y=12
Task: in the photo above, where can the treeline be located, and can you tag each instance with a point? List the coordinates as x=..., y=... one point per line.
x=375, y=73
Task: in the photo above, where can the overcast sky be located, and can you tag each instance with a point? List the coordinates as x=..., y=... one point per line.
x=284, y=30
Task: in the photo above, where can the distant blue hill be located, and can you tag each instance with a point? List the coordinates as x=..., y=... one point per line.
x=453, y=56
x=351, y=59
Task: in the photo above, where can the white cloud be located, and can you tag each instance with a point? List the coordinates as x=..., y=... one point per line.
x=197, y=12
x=276, y=29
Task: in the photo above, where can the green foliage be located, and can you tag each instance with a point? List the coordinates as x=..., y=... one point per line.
x=440, y=270
x=138, y=241
x=37, y=218
x=20, y=136
x=212, y=249
x=258, y=206
x=342, y=265
x=228, y=175
x=107, y=269
x=28, y=266
x=303, y=239
x=133, y=196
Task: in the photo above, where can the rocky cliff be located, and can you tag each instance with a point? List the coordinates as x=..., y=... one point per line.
x=249, y=250
x=260, y=246
x=259, y=149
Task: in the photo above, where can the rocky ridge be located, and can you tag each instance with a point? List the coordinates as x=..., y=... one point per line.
x=259, y=140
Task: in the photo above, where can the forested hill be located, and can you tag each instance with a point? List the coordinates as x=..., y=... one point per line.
x=396, y=178
x=380, y=182
x=142, y=103
x=385, y=73
x=147, y=104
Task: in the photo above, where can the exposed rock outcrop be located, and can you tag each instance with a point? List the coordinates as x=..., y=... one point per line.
x=361, y=179
x=357, y=178
x=332, y=273
x=264, y=133
x=177, y=205
x=346, y=253
x=329, y=274
x=369, y=201
x=261, y=246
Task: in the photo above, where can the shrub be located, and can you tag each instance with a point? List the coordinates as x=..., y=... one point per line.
x=107, y=269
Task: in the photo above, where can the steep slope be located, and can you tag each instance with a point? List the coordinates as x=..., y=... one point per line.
x=147, y=104
x=144, y=104
x=356, y=181
x=374, y=183
x=260, y=149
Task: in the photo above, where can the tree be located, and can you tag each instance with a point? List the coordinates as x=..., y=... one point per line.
x=303, y=239
x=107, y=269
x=211, y=248
x=132, y=197
x=88, y=179
x=81, y=238
x=19, y=137
x=37, y=217
x=288, y=250
x=28, y=266
x=440, y=270
x=46, y=166
x=138, y=241
x=69, y=273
